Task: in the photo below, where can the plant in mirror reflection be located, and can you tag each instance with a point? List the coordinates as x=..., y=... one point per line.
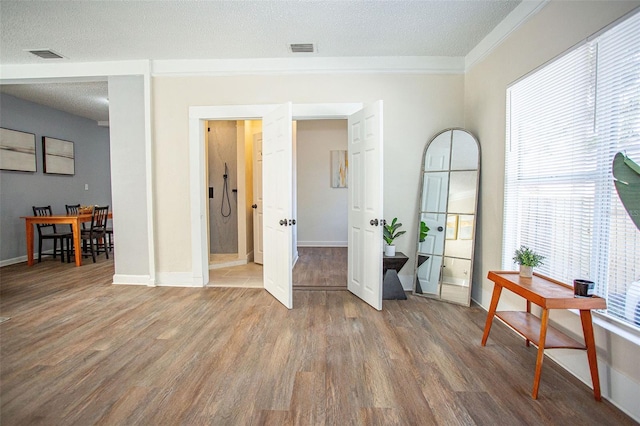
x=424, y=230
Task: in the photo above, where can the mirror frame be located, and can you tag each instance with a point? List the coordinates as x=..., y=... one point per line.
x=421, y=201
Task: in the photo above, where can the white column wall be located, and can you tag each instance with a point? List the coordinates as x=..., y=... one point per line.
x=128, y=179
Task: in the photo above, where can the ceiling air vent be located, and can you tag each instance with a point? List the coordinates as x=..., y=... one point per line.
x=45, y=54
x=302, y=48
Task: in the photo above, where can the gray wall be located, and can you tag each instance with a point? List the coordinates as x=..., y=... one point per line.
x=223, y=148
x=19, y=191
x=129, y=181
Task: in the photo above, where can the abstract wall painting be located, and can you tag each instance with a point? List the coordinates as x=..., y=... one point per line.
x=339, y=169
x=17, y=151
x=58, y=156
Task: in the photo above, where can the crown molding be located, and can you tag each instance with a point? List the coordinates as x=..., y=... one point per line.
x=382, y=64
x=70, y=71
x=518, y=16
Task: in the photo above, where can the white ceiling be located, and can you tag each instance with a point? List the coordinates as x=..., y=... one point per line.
x=94, y=31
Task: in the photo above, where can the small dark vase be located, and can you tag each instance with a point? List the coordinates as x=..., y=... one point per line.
x=583, y=288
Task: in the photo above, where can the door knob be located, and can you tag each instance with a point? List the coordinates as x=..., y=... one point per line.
x=374, y=222
x=292, y=221
x=440, y=229
x=383, y=222
x=283, y=222
x=254, y=206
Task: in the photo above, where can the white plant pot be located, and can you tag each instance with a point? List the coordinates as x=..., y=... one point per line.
x=526, y=271
x=390, y=250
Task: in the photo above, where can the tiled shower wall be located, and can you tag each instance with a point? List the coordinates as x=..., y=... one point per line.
x=223, y=149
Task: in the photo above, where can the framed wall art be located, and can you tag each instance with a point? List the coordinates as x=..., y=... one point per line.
x=17, y=150
x=339, y=169
x=58, y=156
x=465, y=226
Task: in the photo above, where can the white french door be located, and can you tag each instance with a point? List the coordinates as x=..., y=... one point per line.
x=277, y=166
x=258, y=245
x=365, y=204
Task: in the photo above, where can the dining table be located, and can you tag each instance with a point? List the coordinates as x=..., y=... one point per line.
x=75, y=220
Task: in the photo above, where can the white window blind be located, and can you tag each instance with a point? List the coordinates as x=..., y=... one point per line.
x=565, y=123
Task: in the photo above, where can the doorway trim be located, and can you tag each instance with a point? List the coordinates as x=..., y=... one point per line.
x=198, y=116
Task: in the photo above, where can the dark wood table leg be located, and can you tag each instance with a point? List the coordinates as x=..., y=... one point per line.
x=540, y=357
x=589, y=342
x=497, y=289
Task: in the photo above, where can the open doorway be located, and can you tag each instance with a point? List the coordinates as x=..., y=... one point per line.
x=320, y=256
x=322, y=202
x=365, y=141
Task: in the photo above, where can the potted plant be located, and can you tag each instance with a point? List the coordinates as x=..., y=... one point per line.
x=390, y=233
x=424, y=229
x=527, y=259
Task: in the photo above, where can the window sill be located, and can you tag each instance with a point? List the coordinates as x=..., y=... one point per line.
x=624, y=331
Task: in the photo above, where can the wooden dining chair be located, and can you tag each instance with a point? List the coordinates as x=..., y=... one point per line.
x=48, y=231
x=94, y=237
x=73, y=209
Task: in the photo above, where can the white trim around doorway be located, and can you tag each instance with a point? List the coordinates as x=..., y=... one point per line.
x=198, y=115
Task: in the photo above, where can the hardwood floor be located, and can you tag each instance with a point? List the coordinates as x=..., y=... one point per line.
x=320, y=268
x=80, y=351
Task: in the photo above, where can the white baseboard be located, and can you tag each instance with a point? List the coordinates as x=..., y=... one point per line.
x=322, y=243
x=122, y=279
x=176, y=279
x=250, y=257
x=20, y=259
x=15, y=260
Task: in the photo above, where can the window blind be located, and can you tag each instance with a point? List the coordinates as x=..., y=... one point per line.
x=565, y=123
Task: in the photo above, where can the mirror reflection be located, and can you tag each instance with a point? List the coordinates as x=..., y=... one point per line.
x=460, y=244
x=436, y=185
x=462, y=192
x=464, y=152
x=439, y=153
x=449, y=192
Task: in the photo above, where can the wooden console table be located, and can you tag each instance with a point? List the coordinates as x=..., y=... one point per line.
x=548, y=294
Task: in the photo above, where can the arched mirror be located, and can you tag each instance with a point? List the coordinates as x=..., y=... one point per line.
x=449, y=196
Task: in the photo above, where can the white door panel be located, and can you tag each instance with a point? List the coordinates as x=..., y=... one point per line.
x=429, y=275
x=436, y=185
x=257, y=199
x=439, y=153
x=366, y=204
x=434, y=241
x=277, y=194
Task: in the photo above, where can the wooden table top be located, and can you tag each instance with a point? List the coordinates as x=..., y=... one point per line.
x=544, y=291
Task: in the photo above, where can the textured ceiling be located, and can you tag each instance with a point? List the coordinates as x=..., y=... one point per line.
x=84, y=99
x=92, y=31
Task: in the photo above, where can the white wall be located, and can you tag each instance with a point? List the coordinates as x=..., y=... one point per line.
x=416, y=106
x=128, y=180
x=322, y=210
x=556, y=28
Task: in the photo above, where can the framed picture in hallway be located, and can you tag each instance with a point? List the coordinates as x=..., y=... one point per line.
x=339, y=169
x=58, y=156
x=17, y=150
